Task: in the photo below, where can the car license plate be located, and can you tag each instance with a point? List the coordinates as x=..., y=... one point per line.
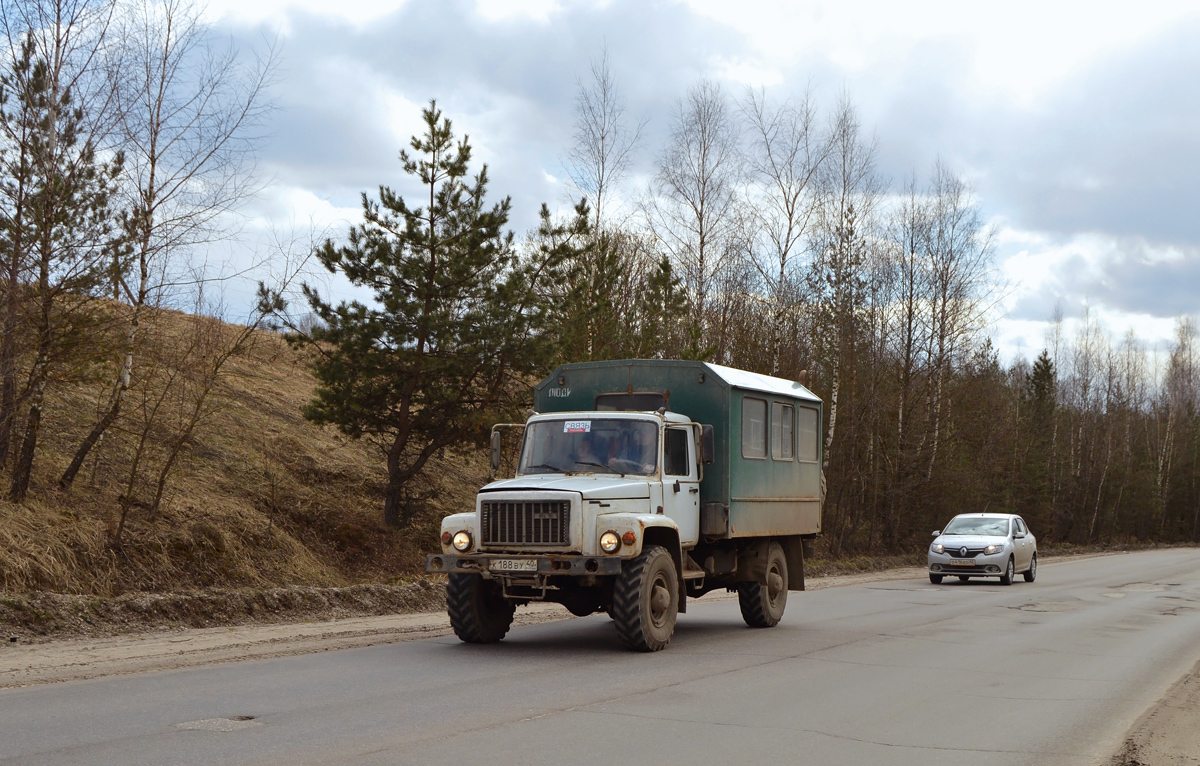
x=962, y=562
x=513, y=565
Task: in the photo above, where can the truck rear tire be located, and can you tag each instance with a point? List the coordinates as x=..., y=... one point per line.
x=478, y=611
x=763, y=605
x=646, y=600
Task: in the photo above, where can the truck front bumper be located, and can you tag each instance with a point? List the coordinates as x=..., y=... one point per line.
x=515, y=565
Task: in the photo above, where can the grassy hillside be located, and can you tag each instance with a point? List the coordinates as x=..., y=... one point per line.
x=262, y=498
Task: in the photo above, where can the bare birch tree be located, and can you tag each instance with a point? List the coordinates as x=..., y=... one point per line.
x=190, y=113
x=785, y=153
x=693, y=209
x=604, y=141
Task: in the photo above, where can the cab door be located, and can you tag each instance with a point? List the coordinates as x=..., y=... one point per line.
x=681, y=482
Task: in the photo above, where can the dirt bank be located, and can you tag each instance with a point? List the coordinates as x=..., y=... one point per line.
x=1168, y=734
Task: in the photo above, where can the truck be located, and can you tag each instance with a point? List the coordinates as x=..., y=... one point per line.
x=640, y=484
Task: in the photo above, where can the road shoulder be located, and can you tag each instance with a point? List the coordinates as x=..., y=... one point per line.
x=1167, y=734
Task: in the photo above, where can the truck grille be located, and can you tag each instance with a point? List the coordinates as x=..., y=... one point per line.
x=526, y=522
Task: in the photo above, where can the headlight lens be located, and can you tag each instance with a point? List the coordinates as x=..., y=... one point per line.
x=610, y=541
x=938, y=548
x=988, y=551
x=461, y=541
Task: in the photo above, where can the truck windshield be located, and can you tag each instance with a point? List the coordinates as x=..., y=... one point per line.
x=600, y=445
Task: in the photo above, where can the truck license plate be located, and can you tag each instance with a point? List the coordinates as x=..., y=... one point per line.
x=962, y=562
x=513, y=565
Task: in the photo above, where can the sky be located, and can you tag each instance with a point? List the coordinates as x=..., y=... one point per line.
x=1076, y=124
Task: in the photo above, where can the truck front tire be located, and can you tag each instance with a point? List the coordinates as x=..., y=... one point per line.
x=478, y=611
x=763, y=605
x=646, y=600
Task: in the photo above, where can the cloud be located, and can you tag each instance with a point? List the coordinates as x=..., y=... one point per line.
x=350, y=96
x=1115, y=150
x=1122, y=275
x=1087, y=152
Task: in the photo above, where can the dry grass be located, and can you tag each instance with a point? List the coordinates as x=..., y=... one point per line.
x=262, y=498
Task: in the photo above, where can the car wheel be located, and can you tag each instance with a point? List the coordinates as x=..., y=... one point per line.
x=763, y=604
x=935, y=578
x=1007, y=577
x=964, y=578
x=1031, y=573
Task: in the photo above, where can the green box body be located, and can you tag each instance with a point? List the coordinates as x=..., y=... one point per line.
x=740, y=496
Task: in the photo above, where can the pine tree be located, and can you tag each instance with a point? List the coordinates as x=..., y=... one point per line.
x=455, y=329
x=57, y=225
x=1040, y=401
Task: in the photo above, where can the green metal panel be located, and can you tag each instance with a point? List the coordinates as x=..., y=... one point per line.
x=764, y=496
x=770, y=496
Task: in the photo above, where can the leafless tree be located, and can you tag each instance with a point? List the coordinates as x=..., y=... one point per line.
x=959, y=250
x=850, y=190
x=190, y=119
x=599, y=159
x=784, y=156
x=693, y=210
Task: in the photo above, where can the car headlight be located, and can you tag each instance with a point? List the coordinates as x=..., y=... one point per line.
x=461, y=541
x=610, y=541
x=988, y=551
x=938, y=548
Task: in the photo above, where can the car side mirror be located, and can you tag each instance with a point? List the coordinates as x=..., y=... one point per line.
x=495, y=456
x=708, y=447
x=938, y=532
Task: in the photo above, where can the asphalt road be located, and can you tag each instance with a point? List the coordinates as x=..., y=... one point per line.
x=892, y=673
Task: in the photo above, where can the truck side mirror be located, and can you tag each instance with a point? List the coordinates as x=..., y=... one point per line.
x=495, y=450
x=708, y=447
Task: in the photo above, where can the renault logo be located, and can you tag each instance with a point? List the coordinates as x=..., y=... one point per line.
x=962, y=551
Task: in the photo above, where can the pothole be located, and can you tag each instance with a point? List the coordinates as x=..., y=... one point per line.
x=1049, y=607
x=1142, y=587
x=234, y=723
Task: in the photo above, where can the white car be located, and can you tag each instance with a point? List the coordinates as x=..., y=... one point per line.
x=983, y=545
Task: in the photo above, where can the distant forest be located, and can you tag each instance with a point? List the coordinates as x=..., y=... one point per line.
x=796, y=258
x=763, y=239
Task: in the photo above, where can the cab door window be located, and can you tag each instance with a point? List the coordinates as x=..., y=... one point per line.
x=675, y=452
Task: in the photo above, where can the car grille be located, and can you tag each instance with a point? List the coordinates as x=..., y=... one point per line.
x=955, y=552
x=526, y=522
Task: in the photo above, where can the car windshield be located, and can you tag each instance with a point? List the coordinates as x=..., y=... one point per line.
x=976, y=525
x=593, y=445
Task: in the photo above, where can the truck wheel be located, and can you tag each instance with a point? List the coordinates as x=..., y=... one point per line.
x=763, y=605
x=478, y=611
x=646, y=600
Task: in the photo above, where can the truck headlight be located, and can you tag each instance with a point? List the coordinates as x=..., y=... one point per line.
x=461, y=541
x=610, y=541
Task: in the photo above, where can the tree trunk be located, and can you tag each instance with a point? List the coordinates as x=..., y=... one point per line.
x=23, y=468
x=114, y=407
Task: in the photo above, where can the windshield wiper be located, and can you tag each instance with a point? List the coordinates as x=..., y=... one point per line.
x=554, y=468
x=598, y=465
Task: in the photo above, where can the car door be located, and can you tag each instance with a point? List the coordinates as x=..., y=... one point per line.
x=1022, y=545
x=681, y=482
